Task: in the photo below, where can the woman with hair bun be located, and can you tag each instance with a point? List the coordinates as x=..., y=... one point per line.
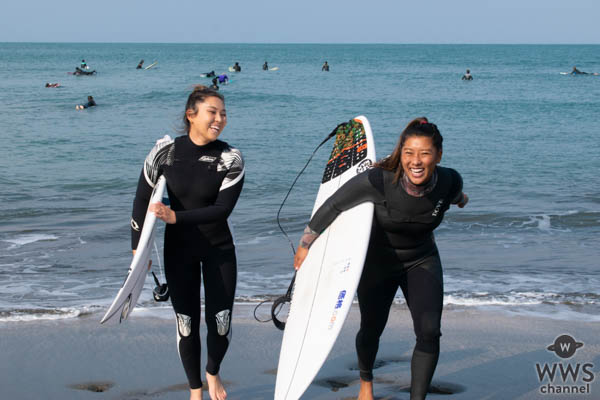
x=204, y=180
x=411, y=193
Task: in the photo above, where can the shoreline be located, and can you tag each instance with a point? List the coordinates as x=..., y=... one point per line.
x=484, y=355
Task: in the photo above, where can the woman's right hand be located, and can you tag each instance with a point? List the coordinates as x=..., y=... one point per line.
x=301, y=254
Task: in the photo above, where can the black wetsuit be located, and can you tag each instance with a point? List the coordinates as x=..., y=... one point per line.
x=204, y=183
x=402, y=252
x=89, y=104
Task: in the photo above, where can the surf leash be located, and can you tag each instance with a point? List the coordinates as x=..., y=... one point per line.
x=160, y=292
x=287, y=297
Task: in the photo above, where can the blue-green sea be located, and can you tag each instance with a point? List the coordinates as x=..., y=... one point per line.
x=524, y=137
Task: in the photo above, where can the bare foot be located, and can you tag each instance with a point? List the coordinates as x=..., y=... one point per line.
x=366, y=391
x=216, y=391
x=196, y=394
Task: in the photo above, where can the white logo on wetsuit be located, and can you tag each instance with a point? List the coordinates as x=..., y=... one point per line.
x=222, y=318
x=208, y=159
x=184, y=323
x=438, y=207
x=135, y=225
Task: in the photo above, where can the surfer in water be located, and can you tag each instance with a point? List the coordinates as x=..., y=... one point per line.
x=90, y=103
x=204, y=180
x=237, y=67
x=141, y=63
x=325, y=67
x=52, y=85
x=223, y=79
x=265, y=66
x=83, y=65
x=411, y=193
x=467, y=76
x=215, y=85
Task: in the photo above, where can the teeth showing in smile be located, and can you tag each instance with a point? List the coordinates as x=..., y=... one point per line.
x=216, y=128
x=417, y=171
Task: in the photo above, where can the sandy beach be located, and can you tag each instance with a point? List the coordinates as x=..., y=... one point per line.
x=485, y=355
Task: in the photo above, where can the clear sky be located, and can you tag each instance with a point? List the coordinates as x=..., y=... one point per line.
x=301, y=21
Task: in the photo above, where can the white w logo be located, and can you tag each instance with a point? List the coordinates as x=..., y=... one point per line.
x=565, y=346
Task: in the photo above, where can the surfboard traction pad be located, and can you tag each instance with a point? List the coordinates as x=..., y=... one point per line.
x=349, y=149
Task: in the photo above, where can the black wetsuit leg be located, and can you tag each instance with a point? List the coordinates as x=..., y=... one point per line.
x=184, y=261
x=423, y=290
x=182, y=270
x=422, y=285
x=375, y=296
x=219, y=268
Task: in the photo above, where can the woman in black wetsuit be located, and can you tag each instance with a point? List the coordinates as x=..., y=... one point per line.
x=204, y=180
x=411, y=193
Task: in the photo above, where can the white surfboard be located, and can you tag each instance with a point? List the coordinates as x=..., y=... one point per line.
x=273, y=69
x=129, y=293
x=151, y=65
x=327, y=281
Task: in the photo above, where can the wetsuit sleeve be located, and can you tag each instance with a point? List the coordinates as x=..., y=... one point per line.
x=357, y=190
x=455, y=194
x=148, y=178
x=229, y=192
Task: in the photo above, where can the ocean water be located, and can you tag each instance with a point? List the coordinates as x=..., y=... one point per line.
x=525, y=139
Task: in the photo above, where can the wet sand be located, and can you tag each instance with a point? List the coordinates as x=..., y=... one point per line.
x=485, y=355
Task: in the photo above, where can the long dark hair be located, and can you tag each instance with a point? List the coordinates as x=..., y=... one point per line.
x=417, y=127
x=198, y=95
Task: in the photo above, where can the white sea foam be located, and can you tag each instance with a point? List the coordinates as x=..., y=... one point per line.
x=22, y=240
x=43, y=315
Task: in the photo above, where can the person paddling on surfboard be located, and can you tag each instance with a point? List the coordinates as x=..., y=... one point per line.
x=411, y=193
x=141, y=63
x=90, y=103
x=575, y=71
x=204, y=179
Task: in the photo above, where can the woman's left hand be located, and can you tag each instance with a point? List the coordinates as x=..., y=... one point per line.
x=163, y=212
x=464, y=201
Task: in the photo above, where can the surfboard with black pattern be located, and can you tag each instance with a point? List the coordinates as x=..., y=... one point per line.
x=326, y=284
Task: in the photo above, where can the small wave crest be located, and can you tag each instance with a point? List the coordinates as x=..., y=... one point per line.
x=24, y=239
x=43, y=314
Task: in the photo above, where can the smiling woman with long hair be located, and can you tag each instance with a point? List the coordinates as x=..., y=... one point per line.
x=204, y=180
x=411, y=193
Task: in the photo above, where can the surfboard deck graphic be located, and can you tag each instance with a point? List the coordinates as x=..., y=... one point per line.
x=128, y=295
x=327, y=281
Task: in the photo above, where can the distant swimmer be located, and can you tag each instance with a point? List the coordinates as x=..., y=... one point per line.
x=140, y=64
x=575, y=71
x=209, y=74
x=90, y=103
x=52, y=84
x=237, y=67
x=79, y=71
x=223, y=78
x=83, y=65
x=265, y=66
x=467, y=76
x=325, y=67
x=214, y=85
